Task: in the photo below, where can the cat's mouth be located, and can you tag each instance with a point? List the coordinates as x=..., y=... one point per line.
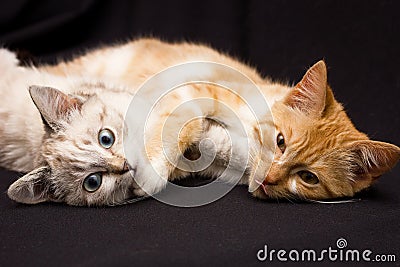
x=261, y=189
x=260, y=193
x=125, y=169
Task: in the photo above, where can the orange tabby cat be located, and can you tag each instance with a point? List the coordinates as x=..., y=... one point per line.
x=318, y=153
x=307, y=149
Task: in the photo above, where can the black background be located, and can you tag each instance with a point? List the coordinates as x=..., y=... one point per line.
x=359, y=41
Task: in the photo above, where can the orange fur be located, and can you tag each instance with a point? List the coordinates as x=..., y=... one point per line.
x=319, y=136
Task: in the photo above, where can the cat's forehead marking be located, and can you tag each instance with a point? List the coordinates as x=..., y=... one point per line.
x=102, y=114
x=61, y=138
x=96, y=85
x=86, y=142
x=258, y=134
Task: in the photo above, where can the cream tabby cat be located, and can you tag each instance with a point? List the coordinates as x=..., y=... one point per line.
x=69, y=154
x=318, y=153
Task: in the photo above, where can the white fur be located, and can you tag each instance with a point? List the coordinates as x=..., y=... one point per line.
x=293, y=186
x=119, y=59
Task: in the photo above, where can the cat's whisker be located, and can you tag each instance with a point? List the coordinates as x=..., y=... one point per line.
x=288, y=196
x=83, y=132
x=129, y=201
x=333, y=201
x=125, y=192
x=301, y=196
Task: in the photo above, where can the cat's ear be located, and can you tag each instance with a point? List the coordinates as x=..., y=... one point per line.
x=309, y=94
x=371, y=160
x=54, y=106
x=32, y=188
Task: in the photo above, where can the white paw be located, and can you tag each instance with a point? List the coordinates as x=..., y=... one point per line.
x=149, y=181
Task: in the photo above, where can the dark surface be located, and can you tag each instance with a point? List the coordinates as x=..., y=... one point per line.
x=359, y=41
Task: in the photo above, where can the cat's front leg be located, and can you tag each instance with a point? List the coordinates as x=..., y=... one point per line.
x=153, y=170
x=155, y=144
x=149, y=180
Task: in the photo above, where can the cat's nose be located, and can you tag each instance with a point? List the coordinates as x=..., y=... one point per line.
x=118, y=165
x=273, y=175
x=269, y=180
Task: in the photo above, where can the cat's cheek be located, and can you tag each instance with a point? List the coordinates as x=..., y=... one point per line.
x=138, y=192
x=317, y=191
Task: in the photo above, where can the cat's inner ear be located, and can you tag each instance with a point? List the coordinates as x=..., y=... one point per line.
x=371, y=160
x=309, y=95
x=32, y=188
x=54, y=106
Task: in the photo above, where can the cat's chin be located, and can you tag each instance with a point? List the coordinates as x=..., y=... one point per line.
x=257, y=189
x=260, y=193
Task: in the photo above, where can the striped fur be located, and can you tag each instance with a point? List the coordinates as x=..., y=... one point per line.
x=319, y=136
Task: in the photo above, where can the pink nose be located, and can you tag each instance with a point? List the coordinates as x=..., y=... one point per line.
x=269, y=181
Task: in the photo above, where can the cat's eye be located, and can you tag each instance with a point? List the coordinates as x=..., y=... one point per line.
x=92, y=182
x=308, y=177
x=280, y=141
x=106, y=138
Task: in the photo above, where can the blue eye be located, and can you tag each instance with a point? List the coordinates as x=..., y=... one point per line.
x=106, y=138
x=92, y=182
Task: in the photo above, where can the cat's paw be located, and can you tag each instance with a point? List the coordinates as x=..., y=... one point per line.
x=149, y=180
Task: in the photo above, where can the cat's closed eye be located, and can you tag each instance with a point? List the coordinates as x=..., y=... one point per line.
x=106, y=138
x=280, y=141
x=92, y=182
x=308, y=177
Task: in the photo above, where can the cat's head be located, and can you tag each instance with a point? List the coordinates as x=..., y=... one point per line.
x=81, y=161
x=319, y=153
